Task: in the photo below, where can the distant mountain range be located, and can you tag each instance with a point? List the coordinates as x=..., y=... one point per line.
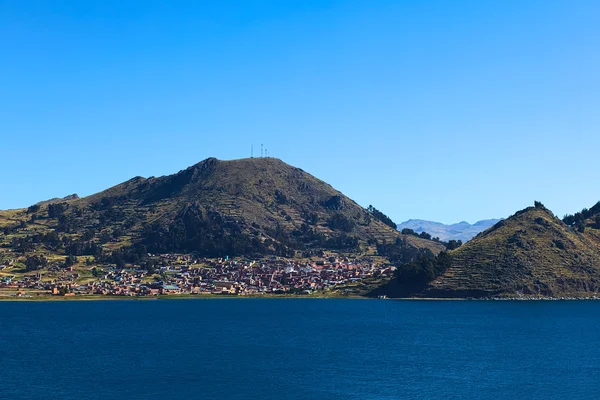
x=459, y=231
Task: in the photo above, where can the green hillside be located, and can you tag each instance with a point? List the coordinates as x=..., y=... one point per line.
x=532, y=253
x=258, y=206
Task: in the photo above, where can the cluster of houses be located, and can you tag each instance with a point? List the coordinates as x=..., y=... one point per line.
x=181, y=274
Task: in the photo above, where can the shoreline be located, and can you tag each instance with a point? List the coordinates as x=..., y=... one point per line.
x=51, y=298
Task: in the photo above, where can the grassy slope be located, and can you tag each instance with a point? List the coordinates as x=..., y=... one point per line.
x=245, y=190
x=242, y=190
x=533, y=253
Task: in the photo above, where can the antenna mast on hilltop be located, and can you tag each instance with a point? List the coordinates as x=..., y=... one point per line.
x=251, y=151
x=261, y=150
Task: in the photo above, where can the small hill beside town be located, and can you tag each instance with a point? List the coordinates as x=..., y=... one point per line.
x=532, y=253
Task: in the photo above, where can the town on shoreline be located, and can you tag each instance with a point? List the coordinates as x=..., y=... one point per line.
x=185, y=274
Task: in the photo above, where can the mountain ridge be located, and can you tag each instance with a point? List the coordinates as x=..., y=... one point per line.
x=215, y=208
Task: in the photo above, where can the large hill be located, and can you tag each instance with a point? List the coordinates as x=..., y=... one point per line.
x=254, y=206
x=463, y=231
x=532, y=253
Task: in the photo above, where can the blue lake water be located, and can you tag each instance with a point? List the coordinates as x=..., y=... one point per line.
x=300, y=349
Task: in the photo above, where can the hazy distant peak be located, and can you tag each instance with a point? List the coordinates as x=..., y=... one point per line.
x=486, y=222
x=459, y=231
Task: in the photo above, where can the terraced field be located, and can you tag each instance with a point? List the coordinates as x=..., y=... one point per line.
x=531, y=253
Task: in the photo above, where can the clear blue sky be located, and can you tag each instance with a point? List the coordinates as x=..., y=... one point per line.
x=441, y=110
